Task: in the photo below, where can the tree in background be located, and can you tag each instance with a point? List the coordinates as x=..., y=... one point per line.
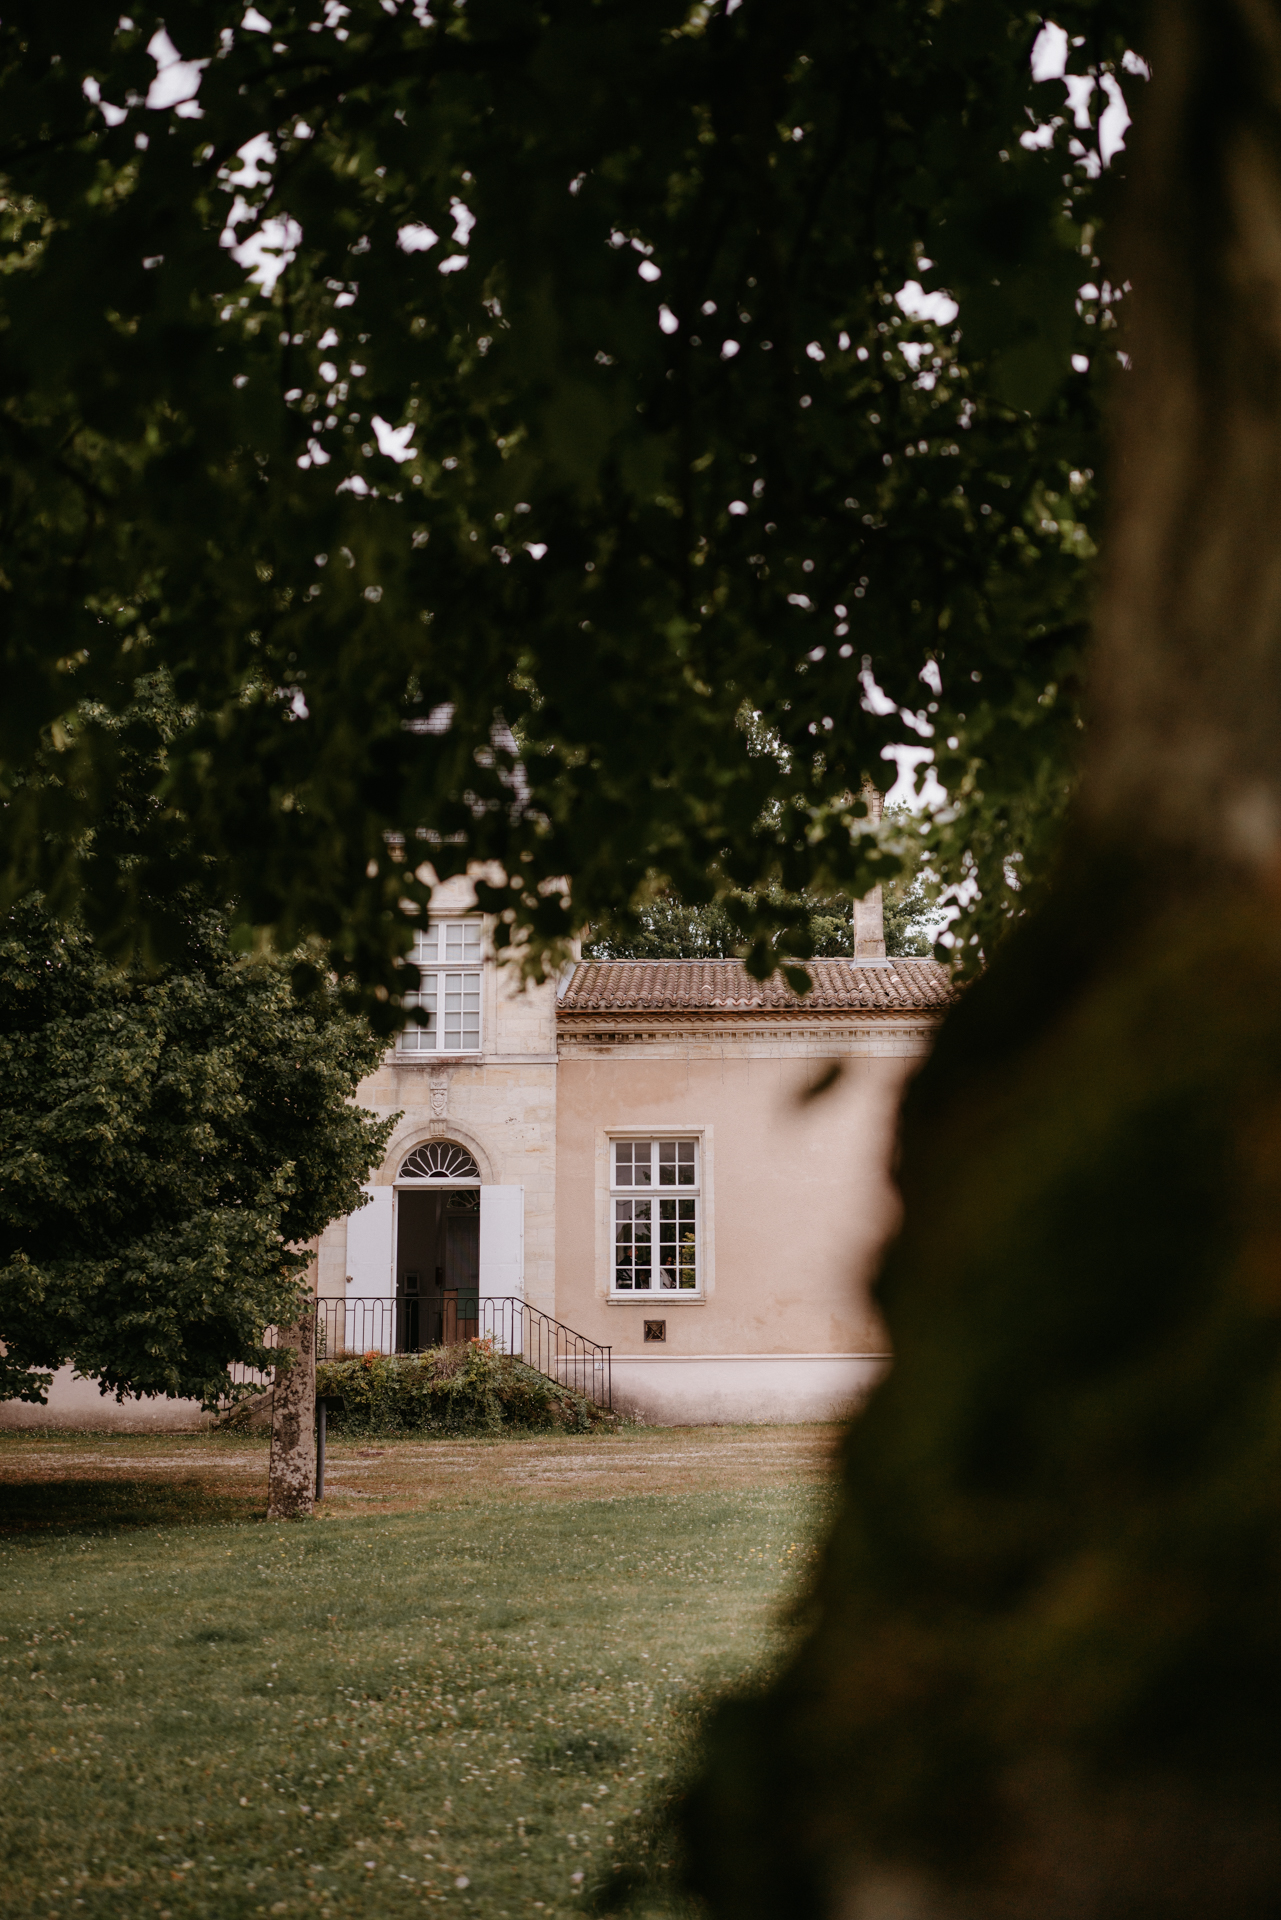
x=666, y=929
x=493, y=421
x=169, y=1143
x=171, y=1135
x=910, y=919
x=821, y=925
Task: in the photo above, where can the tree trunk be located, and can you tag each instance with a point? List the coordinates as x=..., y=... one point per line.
x=1040, y=1677
x=291, y=1477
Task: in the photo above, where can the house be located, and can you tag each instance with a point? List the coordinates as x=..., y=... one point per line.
x=678, y=1163
x=685, y=1171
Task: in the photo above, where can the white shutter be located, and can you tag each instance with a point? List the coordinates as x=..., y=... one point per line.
x=502, y=1241
x=370, y=1248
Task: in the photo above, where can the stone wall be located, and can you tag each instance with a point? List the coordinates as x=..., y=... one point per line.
x=500, y=1105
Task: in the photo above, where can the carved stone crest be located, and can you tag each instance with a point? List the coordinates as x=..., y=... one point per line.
x=439, y=1093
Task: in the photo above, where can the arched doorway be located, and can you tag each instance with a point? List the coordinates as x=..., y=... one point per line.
x=437, y=1247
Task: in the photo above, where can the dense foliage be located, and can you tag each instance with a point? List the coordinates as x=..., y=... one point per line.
x=910, y=920
x=482, y=417
x=667, y=929
x=168, y=1143
x=470, y=1388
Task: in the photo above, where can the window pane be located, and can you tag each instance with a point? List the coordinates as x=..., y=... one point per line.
x=676, y=1163
x=460, y=1025
x=425, y=946
x=687, y=1245
x=632, y=1163
x=415, y=1038
x=678, y=1244
x=461, y=940
x=633, y=1249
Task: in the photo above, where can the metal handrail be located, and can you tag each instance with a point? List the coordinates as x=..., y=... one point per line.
x=394, y=1324
x=366, y=1323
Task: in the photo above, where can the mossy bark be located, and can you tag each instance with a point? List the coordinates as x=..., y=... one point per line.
x=1039, y=1675
x=291, y=1474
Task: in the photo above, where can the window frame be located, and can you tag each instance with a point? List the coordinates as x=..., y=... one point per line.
x=621, y=1193
x=416, y=1042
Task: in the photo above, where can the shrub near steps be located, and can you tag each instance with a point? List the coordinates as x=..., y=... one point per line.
x=468, y=1388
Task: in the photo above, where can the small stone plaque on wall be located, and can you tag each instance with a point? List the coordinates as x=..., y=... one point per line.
x=655, y=1330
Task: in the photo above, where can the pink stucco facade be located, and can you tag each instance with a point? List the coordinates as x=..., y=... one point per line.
x=794, y=1120
x=794, y=1194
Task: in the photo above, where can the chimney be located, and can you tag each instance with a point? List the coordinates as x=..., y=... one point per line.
x=869, y=912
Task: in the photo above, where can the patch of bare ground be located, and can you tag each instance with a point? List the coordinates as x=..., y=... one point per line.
x=52, y=1480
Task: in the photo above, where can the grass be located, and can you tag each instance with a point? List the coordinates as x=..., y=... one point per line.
x=466, y=1686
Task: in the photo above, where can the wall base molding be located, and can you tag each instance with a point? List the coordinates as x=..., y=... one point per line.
x=78, y=1405
x=754, y=1389
x=665, y=1389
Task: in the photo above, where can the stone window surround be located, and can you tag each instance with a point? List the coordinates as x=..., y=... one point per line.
x=647, y=1128
x=494, y=1050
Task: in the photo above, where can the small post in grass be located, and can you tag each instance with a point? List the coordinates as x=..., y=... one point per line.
x=322, y=1408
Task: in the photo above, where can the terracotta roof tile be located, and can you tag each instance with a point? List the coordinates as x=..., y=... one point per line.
x=725, y=986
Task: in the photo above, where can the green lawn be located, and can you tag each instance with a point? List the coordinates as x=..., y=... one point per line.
x=477, y=1703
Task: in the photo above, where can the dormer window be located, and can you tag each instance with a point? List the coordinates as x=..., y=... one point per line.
x=449, y=956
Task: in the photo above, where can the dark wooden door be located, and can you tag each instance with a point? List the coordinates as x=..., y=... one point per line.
x=460, y=1249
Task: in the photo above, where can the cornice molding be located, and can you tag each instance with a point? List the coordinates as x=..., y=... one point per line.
x=697, y=1020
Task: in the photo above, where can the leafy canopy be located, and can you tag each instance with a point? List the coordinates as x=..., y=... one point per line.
x=170, y=1136
x=168, y=1144
x=482, y=417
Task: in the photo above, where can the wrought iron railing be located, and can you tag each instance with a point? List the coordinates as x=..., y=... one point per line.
x=241, y=1375
x=366, y=1324
x=405, y=1325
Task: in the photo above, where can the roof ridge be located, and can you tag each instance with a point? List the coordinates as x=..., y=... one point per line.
x=788, y=960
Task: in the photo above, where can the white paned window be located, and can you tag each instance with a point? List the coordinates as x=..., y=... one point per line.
x=654, y=1204
x=449, y=956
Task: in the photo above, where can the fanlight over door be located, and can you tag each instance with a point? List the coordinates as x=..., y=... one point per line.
x=439, y=1160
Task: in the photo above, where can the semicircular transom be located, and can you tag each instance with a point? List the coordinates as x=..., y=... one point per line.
x=439, y=1160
